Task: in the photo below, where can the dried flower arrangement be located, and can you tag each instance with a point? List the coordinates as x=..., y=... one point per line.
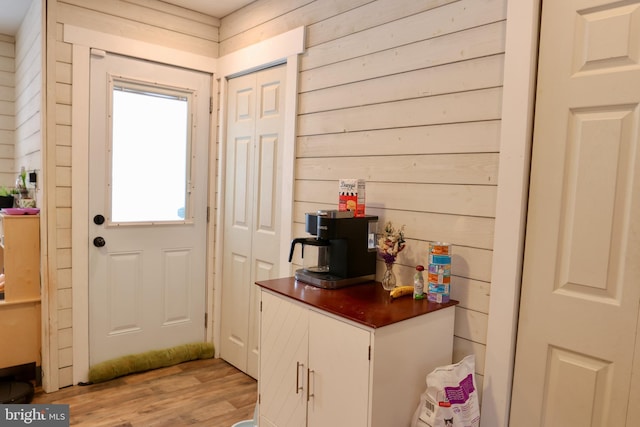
x=391, y=242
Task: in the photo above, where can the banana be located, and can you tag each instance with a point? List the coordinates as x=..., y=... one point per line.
x=401, y=291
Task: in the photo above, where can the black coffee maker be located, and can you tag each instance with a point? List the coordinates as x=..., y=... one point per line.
x=343, y=251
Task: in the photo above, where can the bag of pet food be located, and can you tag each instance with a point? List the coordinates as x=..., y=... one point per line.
x=451, y=398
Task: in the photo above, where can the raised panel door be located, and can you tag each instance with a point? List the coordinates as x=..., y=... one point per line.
x=580, y=295
x=255, y=120
x=284, y=339
x=338, y=373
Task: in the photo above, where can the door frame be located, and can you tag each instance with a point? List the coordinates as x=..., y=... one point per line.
x=83, y=40
x=518, y=103
x=281, y=49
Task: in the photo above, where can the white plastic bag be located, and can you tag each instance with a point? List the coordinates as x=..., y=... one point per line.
x=451, y=398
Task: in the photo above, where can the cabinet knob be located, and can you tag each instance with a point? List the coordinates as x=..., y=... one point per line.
x=99, y=242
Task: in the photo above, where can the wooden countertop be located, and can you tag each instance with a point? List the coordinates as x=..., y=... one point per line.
x=368, y=303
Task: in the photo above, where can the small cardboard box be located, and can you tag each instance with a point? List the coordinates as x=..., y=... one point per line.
x=351, y=195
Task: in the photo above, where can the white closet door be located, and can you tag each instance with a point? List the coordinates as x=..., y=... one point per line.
x=255, y=123
x=580, y=295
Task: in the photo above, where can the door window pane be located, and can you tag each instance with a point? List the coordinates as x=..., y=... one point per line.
x=149, y=155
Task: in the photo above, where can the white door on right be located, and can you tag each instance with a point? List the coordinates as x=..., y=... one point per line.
x=579, y=310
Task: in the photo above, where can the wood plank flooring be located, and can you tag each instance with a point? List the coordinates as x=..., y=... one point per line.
x=207, y=392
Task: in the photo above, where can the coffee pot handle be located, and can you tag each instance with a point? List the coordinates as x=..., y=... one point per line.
x=300, y=240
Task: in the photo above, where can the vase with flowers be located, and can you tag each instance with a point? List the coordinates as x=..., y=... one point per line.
x=390, y=243
x=25, y=200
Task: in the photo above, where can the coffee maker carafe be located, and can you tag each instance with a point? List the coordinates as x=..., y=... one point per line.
x=315, y=253
x=342, y=251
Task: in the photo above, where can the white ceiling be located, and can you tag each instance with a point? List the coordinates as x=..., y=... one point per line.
x=13, y=11
x=217, y=8
x=11, y=14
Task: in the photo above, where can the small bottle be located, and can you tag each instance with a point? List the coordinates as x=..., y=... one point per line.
x=418, y=283
x=21, y=181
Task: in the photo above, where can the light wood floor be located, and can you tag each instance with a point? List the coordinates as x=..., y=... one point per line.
x=208, y=393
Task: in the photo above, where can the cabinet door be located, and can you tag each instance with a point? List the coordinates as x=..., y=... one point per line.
x=20, y=253
x=283, y=362
x=339, y=373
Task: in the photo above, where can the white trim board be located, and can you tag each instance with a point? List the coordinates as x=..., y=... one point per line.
x=511, y=208
x=275, y=50
x=80, y=211
x=83, y=41
x=137, y=49
x=281, y=49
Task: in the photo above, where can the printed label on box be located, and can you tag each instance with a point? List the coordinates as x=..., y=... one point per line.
x=351, y=196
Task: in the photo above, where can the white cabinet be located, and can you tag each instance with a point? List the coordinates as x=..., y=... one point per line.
x=314, y=368
x=320, y=369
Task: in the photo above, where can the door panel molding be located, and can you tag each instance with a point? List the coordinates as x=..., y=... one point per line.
x=124, y=318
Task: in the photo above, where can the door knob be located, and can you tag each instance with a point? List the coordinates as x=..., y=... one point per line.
x=98, y=219
x=99, y=242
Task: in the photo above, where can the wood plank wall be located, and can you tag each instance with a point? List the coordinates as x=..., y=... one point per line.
x=28, y=94
x=61, y=238
x=403, y=93
x=7, y=109
x=145, y=20
x=407, y=95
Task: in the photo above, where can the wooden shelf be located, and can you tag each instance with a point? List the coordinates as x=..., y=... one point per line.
x=4, y=303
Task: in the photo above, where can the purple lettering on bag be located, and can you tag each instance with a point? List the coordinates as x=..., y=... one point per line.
x=460, y=394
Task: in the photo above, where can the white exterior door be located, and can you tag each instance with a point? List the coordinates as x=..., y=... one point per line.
x=254, y=147
x=149, y=132
x=578, y=326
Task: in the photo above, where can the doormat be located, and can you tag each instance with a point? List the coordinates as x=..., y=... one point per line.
x=148, y=360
